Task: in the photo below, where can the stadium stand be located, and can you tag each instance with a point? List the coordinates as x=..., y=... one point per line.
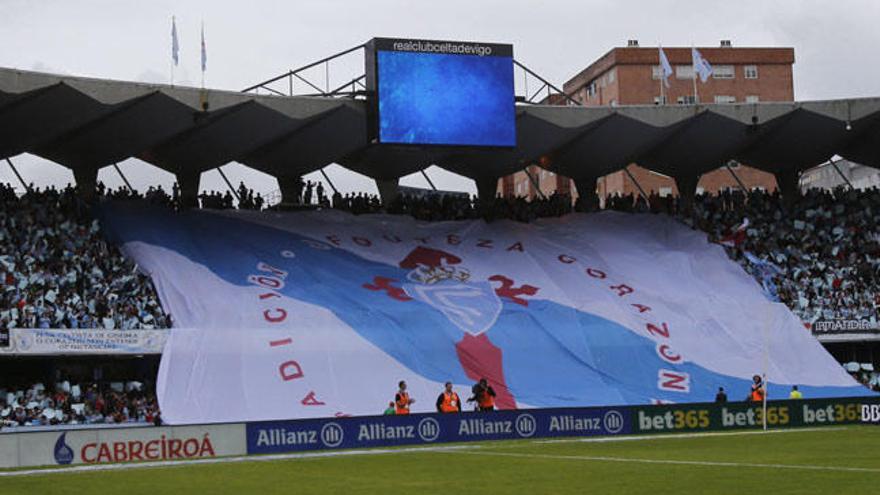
x=58, y=272
x=819, y=255
x=78, y=404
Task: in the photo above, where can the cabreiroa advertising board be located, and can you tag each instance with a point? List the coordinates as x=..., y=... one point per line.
x=109, y=445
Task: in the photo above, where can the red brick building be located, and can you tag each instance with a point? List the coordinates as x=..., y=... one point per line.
x=632, y=76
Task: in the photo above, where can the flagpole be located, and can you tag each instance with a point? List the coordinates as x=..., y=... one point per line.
x=766, y=365
x=173, y=27
x=203, y=55
x=694, y=74
x=662, y=75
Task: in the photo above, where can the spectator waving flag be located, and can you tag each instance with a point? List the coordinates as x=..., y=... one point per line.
x=175, y=46
x=702, y=67
x=666, y=69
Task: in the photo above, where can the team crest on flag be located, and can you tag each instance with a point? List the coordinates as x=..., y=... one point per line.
x=472, y=307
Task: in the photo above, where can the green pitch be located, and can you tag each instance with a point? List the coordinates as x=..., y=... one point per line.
x=828, y=460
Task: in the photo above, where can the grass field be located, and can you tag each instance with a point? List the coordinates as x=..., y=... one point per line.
x=827, y=460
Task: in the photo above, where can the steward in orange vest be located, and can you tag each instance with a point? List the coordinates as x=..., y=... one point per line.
x=484, y=395
x=757, y=392
x=448, y=401
x=402, y=400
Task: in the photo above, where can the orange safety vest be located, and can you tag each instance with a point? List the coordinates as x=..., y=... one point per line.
x=485, y=400
x=401, y=406
x=451, y=403
x=758, y=395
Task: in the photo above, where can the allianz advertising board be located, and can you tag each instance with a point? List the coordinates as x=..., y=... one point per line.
x=378, y=431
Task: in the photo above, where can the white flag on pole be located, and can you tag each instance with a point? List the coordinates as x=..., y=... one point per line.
x=702, y=67
x=204, y=50
x=175, y=46
x=665, y=68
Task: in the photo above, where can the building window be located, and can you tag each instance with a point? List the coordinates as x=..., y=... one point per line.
x=700, y=191
x=591, y=89
x=611, y=74
x=656, y=72
x=752, y=99
x=724, y=99
x=684, y=71
x=751, y=71
x=660, y=100
x=686, y=100
x=665, y=191
x=723, y=72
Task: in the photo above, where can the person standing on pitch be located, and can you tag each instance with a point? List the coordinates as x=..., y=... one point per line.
x=402, y=400
x=757, y=392
x=448, y=401
x=484, y=395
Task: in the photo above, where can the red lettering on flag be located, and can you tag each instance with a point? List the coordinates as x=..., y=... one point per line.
x=667, y=354
x=673, y=381
x=280, y=316
x=362, y=241
x=596, y=273
x=564, y=258
x=641, y=307
x=662, y=330
x=311, y=400
x=290, y=370
x=622, y=289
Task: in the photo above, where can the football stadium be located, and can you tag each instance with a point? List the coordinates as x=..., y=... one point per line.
x=658, y=276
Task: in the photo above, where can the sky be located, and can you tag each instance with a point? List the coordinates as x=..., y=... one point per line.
x=835, y=46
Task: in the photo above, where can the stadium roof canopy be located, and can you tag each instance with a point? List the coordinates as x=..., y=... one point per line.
x=86, y=124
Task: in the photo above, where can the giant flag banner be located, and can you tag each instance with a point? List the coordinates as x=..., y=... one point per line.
x=317, y=314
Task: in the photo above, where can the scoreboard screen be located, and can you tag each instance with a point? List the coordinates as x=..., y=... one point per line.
x=445, y=93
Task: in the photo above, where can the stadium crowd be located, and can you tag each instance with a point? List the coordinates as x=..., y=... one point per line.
x=819, y=254
x=57, y=271
x=88, y=403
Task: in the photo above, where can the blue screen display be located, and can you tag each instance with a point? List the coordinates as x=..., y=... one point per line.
x=443, y=99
